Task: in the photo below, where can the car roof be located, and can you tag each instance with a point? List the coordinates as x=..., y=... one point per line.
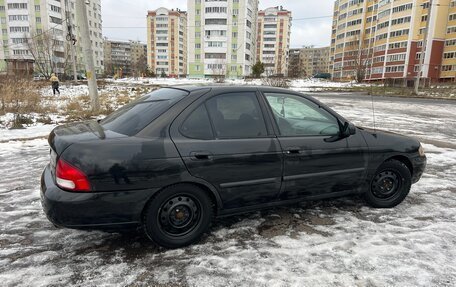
x=229, y=88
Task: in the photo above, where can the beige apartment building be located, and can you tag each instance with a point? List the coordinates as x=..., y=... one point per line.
x=378, y=40
x=273, y=40
x=308, y=62
x=125, y=58
x=167, y=42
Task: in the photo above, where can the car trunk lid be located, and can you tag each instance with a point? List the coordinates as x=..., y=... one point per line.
x=63, y=136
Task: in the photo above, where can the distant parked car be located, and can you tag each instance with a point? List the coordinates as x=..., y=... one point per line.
x=322, y=76
x=39, y=78
x=178, y=157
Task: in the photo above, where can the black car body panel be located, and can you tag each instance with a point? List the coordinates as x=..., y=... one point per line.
x=91, y=210
x=239, y=174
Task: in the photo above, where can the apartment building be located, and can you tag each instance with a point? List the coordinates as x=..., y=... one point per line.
x=167, y=42
x=124, y=58
x=221, y=38
x=138, y=53
x=36, y=31
x=448, y=68
x=308, y=62
x=294, y=64
x=273, y=40
x=378, y=40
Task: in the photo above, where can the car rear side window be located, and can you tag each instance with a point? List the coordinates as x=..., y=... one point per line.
x=132, y=118
x=236, y=115
x=197, y=125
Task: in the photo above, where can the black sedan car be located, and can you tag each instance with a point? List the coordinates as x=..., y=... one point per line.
x=178, y=157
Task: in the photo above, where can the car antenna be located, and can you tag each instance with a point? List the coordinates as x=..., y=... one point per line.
x=373, y=110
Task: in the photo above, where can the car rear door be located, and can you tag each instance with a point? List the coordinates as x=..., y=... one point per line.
x=314, y=165
x=225, y=140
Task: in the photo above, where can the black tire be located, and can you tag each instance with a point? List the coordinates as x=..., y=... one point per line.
x=177, y=216
x=390, y=185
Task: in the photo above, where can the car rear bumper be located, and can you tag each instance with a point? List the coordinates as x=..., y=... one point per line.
x=91, y=210
x=419, y=165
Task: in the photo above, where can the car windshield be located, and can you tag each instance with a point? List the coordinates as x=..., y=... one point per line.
x=132, y=118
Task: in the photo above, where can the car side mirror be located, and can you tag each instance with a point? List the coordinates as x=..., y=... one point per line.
x=348, y=129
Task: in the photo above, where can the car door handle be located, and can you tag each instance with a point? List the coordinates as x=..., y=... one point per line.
x=200, y=155
x=293, y=150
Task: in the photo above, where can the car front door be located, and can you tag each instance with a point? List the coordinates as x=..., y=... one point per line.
x=316, y=162
x=225, y=140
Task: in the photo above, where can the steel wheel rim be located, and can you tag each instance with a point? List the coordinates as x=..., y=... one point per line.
x=386, y=184
x=179, y=215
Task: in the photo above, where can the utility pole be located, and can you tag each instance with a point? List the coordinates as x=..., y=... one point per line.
x=83, y=23
x=71, y=38
x=423, y=49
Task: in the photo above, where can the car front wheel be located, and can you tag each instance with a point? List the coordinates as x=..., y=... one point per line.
x=178, y=215
x=390, y=185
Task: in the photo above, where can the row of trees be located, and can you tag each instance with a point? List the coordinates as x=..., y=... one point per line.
x=51, y=55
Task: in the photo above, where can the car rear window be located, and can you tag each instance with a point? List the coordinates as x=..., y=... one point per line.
x=132, y=118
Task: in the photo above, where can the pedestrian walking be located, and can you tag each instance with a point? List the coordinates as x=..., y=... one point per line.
x=55, y=83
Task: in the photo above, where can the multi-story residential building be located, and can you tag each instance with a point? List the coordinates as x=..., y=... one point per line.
x=448, y=68
x=294, y=64
x=167, y=42
x=308, y=62
x=273, y=40
x=36, y=31
x=377, y=40
x=138, y=54
x=123, y=58
x=117, y=57
x=221, y=37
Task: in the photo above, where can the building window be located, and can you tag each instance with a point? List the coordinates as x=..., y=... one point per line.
x=17, y=5
x=449, y=55
x=451, y=30
x=450, y=42
x=394, y=69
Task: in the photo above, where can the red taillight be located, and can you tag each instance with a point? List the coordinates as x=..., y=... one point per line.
x=70, y=177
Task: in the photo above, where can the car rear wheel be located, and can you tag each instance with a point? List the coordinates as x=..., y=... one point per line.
x=390, y=185
x=178, y=215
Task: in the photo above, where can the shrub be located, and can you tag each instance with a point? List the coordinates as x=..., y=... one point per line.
x=44, y=119
x=20, y=120
x=279, y=82
x=19, y=96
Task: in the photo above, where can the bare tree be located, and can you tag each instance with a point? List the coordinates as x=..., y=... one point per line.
x=361, y=61
x=49, y=53
x=219, y=71
x=139, y=66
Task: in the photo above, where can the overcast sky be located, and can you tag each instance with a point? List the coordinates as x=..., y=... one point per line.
x=123, y=13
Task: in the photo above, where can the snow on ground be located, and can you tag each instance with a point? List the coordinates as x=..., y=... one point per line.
x=299, y=84
x=325, y=243
x=26, y=133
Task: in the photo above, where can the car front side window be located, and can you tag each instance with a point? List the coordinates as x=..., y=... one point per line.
x=297, y=116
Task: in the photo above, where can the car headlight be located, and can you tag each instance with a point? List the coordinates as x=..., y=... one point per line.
x=421, y=150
